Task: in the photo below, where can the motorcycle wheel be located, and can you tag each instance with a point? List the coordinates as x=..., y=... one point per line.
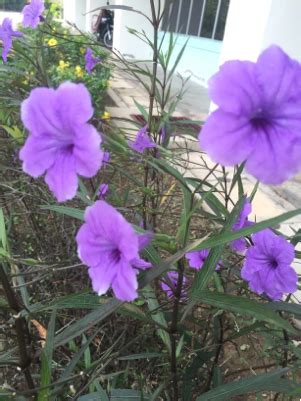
x=108, y=39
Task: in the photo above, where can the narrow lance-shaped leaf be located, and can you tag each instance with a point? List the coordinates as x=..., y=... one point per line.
x=242, y=306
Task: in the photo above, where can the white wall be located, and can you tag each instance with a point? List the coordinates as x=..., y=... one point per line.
x=15, y=17
x=245, y=29
x=69, y=10
x=253, y=25
x=284, y=26
x=126, y=43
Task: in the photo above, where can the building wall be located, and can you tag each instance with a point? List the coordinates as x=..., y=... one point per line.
x=16, y=17
x=201, y=57
x=253, y=25
x=284, y=27
x=124, y=42
x=245, y=29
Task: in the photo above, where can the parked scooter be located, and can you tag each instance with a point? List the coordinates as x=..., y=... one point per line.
x=103, y=27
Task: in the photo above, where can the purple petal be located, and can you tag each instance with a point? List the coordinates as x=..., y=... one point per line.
x=38, y=154
x=86, y=151
x=61, y=177
x=234, y=87
x=125, y=284
x=197, y=258
x=101, y=278
x=228, y=139
x=105, y=222
x=141, y=264
x=275, y=160
x=278, y=75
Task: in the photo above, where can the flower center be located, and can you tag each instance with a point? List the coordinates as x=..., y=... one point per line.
x=116, y=255
x=260, y=120
x=69, y=148
x=274, y=263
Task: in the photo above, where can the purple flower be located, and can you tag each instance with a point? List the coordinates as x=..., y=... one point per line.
x=103, y=189
x=267, y=266
x=32, y=13
x=196, y=259
x=239, y=244
x=142, y=141
x=6, y=35
x=259, y=116
x=91, y=61
x=173, y=278
x=106, y=158
x=61, y=142
x=109, y=246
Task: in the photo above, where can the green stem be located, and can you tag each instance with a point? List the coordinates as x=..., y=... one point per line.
x=20, y=324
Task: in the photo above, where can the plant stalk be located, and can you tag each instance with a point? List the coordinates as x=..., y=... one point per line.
x=20, y=325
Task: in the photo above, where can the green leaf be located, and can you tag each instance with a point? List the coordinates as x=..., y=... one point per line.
x=3, y=238
x=46, y=358
x=14, y=132
x=227, y=237
x=204, y=275
x=91, y=319
x=142, y=110
x=250, y=384
x=178, y=59
x=68, y=211
x=242, y=306
x=288, y=307
x=127, y=395
x=81, y=300
x=145, y=355
x=157, y=316
x=117, y=395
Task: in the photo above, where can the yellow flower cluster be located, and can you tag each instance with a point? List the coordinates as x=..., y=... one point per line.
x=79, y=72
x=106, y=116
x=52, y=42
x=62, y=65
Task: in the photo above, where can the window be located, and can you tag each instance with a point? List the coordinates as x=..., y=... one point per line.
x=12, y=5
x=204, y=18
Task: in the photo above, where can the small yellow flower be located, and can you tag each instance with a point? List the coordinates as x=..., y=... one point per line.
x=25, y=82
x=78, y=71
x=109, y=84
x=63, y=65
x=106, y=116
x=52, y=42
x=82, y=50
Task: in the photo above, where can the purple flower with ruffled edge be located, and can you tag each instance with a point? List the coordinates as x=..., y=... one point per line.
x=110, y=247
x=32, y=13
x=106, y=158
x=259, y=116
x=91, y=61
x=61, y=142
x=102, y=190
x=142, y=141
x=196, y=259
x=173, y=278
x=6, y=35
x=240, y=244
x=267, y=267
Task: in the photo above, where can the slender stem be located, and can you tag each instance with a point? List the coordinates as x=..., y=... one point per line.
x=174, y=330
x=20, y=324
x=155, y=23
